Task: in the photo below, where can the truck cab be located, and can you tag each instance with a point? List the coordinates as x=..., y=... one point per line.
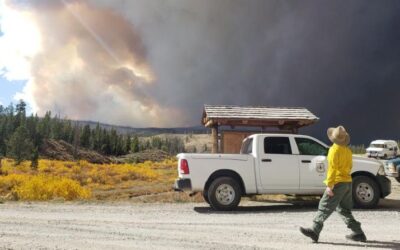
x=302, y=160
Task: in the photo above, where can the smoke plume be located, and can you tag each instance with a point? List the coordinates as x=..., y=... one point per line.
x=92, y=66
x=155, y=63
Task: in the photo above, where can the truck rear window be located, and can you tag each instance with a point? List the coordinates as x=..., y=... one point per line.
x=247, y=146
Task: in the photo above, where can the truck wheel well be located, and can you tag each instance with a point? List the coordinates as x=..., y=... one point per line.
x=225, y=173
x=363, y=173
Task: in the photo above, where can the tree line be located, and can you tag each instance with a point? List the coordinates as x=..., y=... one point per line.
x=22, y=136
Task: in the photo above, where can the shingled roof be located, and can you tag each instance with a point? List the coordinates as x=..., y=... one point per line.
x=257, y=116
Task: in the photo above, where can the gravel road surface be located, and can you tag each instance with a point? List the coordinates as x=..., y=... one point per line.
x=256, y=225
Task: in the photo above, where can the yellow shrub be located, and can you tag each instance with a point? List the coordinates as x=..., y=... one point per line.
x=7, y=183
x=69, y=189
x=34, y=189
x=8, y=166
x=42, y=187
x=73, y=180
x=143, y=173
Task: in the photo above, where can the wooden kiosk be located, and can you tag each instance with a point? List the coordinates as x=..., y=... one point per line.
x=257, y=119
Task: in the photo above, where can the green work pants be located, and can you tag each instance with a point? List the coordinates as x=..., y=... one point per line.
x=343, y=203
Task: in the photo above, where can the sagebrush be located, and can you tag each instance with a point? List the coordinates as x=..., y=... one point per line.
x=78, y=180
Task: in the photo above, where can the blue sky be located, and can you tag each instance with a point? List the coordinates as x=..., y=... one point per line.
x=9, y=89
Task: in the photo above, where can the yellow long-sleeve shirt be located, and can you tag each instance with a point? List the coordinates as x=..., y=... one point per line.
x=340, y=162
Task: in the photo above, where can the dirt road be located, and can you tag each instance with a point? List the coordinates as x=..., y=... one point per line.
x=186, y=226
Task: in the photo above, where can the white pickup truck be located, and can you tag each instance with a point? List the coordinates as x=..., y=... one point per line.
x=274, y=164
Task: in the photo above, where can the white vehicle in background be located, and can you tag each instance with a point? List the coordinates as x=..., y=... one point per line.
x=384, y=149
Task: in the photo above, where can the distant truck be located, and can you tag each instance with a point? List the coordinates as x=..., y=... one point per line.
x=274, y=164
x=383, y=149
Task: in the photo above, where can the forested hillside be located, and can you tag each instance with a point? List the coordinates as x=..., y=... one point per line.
x=23, y=137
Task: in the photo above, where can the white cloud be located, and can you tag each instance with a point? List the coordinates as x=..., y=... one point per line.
x=19, y=43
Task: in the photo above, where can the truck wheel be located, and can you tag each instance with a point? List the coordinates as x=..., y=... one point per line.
x=366, y=192
x=205, y=196
x=224, y=194
x=398, y=179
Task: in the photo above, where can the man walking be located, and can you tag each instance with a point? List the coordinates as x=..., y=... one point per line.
x=338, y=192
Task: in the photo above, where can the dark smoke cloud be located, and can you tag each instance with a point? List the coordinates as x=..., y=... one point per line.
x=340, y=59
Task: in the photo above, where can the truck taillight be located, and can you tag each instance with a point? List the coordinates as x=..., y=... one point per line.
x=184, y=166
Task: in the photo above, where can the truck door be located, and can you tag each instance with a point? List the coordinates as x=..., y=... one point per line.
x=278, y=167
x=312, y=163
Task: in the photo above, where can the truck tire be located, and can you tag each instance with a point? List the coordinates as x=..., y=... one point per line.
x=398, y=179
x=224, y=194
x=205, y=197
x=366, y=192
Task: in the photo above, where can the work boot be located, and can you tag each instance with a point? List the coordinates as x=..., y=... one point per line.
x=357, y=237
x=309, y=233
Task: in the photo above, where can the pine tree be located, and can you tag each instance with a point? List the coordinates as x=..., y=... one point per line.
x=85, y=137
x=97, y=138
x=76, y=142
x=45, y=126
x=113, y=141
x=35, y=159
x=105, y=142
x=3, y=137
x=20, y=145
x=67, y=130
x=135, y=144
x=37, y=137
x=9, y=120
x=56, y=128
x=156, y=142
x=21, y=114
x=127, y=148
x=3, y=145
x=119, y=147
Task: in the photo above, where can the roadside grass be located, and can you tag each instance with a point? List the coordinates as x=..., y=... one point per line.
x=65, y=180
